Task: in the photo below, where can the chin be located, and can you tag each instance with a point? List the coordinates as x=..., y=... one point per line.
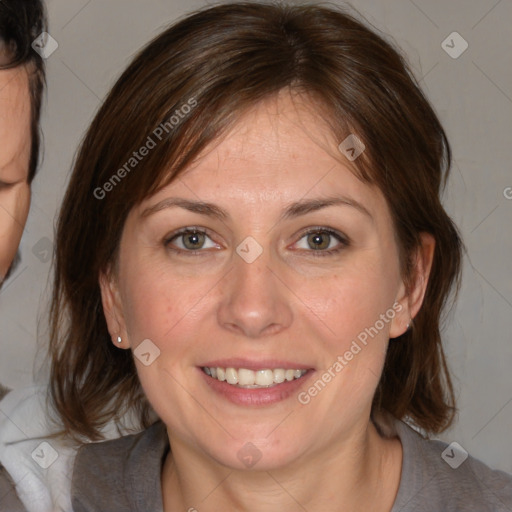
x=261, y=450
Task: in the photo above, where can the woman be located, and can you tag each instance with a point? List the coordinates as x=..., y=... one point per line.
x=253, y=258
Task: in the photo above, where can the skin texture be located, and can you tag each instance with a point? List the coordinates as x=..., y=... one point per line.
x=288, y=304
x=14, y=161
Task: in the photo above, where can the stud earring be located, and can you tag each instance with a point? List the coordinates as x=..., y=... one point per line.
x=119, y=340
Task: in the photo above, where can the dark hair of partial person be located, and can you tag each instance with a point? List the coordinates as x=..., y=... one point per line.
x=22, y=21
x=230, y=57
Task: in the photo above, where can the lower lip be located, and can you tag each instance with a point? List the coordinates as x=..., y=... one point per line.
x=256, y=396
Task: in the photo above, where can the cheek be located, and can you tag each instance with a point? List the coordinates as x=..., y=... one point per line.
x=162, y=306
x=352, y=299
x=14, y=206
x=169, y=310
x=353, y=311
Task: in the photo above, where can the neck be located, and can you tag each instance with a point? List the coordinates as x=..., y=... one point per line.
x=360, y=473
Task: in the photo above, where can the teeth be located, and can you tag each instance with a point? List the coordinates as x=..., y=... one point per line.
x=245, y=377
x=231, y=376
x=242, y=377
x=279, y=376
x=264, y=377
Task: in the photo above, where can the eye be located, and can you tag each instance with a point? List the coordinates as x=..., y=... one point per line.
x=189, y=240
x=322, y=241
x=4, y=185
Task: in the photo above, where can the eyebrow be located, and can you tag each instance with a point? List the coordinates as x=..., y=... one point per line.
x=293, y=210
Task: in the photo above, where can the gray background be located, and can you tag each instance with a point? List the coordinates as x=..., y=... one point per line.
x=473, y=97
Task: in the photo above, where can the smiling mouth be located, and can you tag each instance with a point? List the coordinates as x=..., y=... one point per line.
x=249, y=379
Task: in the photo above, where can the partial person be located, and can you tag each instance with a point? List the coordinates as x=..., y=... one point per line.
x=22, y=79
x=22, y=82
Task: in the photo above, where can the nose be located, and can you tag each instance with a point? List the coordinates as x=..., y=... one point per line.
x=254, y=302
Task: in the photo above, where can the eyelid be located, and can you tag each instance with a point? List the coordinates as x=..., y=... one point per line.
x=9, y=184
x=344, y=241
x=187, y=229
x=324, y=229
x=182, y=231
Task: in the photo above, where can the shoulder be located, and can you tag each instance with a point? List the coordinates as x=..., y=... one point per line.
x=8, y=498
x=121, y=472
x=437, y=475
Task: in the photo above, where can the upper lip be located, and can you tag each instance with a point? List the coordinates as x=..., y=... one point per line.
x=252, y=364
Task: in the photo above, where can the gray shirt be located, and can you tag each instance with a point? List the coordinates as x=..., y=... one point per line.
x=124, y=475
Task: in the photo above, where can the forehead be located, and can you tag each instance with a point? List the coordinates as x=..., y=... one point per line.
x=280, y=156
x=281, y=147
x=283, y=126
x=14, y=116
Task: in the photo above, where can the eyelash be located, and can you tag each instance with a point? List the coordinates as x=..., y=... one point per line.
x=5, y=186
x=344, y=241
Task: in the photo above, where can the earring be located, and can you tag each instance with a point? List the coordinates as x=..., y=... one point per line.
x=119, y=340
x=408, y=324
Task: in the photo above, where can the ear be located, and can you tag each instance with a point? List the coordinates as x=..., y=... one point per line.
x=112, y=308
x=411, y=299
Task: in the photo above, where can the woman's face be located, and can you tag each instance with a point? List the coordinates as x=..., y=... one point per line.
x=253, y=290
x=15, y=139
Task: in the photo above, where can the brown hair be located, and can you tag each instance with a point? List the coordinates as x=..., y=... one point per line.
x=21, y=22
x=225, y=59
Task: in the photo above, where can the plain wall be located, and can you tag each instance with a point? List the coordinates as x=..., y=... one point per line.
x=473, y=97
